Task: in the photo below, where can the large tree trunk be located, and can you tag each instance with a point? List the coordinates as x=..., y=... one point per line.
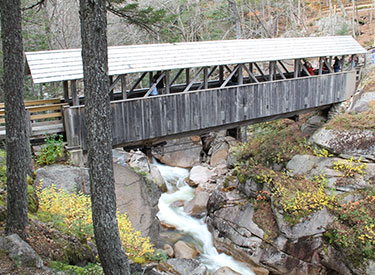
x=99, y=136
x=17, y=142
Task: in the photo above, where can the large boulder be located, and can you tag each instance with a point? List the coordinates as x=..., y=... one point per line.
x=138, y=197
x=184, y=152
x=363, y=103
x=18, y=249
x=198, y=204
x=312, y=124
x=225, y=271
x=184, y=250
x=353, y=142
x=188, y=266
x=316, y=223
x=200, y=175
x=68, y=178
x=138, y=162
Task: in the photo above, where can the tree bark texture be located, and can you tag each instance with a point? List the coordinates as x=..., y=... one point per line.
x=99, y=136
x=15, y=117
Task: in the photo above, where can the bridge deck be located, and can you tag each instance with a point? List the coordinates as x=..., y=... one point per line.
x=153, y=119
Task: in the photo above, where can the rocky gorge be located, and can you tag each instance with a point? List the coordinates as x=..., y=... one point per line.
x=280, y=206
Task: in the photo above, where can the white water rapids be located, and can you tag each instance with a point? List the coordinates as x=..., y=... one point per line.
x=179, y=190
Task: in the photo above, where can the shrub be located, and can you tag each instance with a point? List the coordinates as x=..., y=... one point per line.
x=350, y=167
x=51, y=150
x=354, y=229
x=273, y=142
x=72, y=213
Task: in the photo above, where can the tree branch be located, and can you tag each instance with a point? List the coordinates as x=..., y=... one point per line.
x=39, y=4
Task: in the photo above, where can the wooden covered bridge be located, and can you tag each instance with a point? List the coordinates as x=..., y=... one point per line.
x=202, y=86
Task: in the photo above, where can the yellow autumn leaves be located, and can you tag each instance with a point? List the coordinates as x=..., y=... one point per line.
x=74, y=210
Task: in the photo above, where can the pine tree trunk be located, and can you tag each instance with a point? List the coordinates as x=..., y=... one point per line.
x=99, y=136
x=17, y=141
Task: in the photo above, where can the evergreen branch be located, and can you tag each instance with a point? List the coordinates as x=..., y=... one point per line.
x=39, y=4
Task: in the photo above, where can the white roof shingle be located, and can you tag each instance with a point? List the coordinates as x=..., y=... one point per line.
x=60, y=65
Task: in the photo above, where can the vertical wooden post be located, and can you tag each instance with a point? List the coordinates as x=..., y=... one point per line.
x=296, y=68
x=167, y=83
x=272, y=70
x=221, y=74
x=150, y=79
x=66, y=91
x=111, y=97
x=240, y=74
x=187, y=72
x=320, y=65
x=342, y=63
x=73, y=89
x=123, y=86
x=205, y=78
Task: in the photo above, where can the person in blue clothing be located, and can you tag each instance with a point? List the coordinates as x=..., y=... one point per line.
x=159, y=86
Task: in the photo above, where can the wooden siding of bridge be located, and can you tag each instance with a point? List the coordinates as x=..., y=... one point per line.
x=152, y=119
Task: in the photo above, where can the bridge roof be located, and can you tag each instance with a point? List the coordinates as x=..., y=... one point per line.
x=60, y=65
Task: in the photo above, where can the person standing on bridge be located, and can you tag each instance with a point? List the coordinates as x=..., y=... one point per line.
x=159, y=85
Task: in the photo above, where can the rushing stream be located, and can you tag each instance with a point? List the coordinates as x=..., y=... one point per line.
x=197, y=229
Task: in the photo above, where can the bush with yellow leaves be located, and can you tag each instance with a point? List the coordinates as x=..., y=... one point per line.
x=72, y=212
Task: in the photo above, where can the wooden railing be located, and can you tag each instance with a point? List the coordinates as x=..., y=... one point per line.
x=40, y=110
x=45, y=117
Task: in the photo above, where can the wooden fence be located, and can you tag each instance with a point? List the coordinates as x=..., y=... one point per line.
x=45, y=117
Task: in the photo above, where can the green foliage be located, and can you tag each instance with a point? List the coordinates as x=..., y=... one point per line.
x=159, y=255
x=273, y=142
x=354, y=229
x=350, y=167
x=51, y=151
x=321, y=152
x=144, y=17
x=77, y=270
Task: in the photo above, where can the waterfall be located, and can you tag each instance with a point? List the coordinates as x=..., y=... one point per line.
x=196, y=228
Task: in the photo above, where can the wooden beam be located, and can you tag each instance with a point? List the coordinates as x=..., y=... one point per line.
x=221, y=74
x=187, y=73
x=303, y=67
x=240, y=74
x=320, y=65
x=167, y=84
x=229, y=77
x=296, y=68
x=279, y=71
x=73, y=89
x=192, y=82
x=137, y=82
x=272, y=75
x=209, y=74
x=284, y=67
x=342, y=63
x=328, y=65
x=111, y=86
x=260, y=70
x=150, y=75
x=205, y=77
x=250, y=73
x=176, y=76
x=154, y=85
x=66, y=91
x=229, y=70
x=123, y=86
